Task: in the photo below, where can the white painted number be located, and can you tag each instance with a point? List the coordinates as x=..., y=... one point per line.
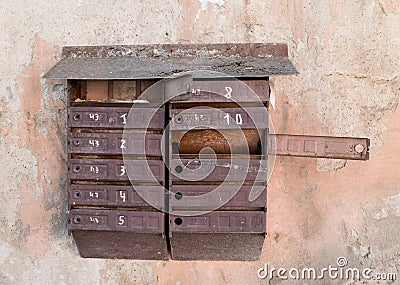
x=122, y=195
x=94, y=116
x=228, y=94
x=227, y=118
x=239, y=120
x=238, y=117
x=121, y=220
x=123, y=116
x=196, y=91
x=198, y=117
x=123, y=144
x=94, y=143
x=94, y=169
x=123, y=170
x=94, y=194
x=94, y=220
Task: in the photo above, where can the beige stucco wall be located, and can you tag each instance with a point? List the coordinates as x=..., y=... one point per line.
x=348, y=56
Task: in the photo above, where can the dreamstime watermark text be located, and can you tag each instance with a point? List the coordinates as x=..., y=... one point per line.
x=337, y=271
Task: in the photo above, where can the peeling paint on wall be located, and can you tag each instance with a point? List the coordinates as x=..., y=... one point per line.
x=392, y=208
x=204, y=5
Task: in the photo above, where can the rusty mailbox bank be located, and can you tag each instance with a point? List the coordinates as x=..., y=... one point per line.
x=168, y=148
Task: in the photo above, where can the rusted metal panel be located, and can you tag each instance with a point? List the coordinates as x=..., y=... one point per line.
x=151, y=68
x=116, y=170
x=220, y=222
x=108, y=143
x=116, y=220
x=118, y=234
x=219, y=118
x=161, y=61
x=216, y=246
x=319, y=146
x=199, y=197
x=221, y=142
x=116, y=117
x=120, y=245
x=116, y=196
x=237, y=169
x=229, y=91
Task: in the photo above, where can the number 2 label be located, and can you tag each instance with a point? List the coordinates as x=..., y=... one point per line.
x=123, y=144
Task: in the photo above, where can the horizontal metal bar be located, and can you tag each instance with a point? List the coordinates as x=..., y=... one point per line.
x=161, y=61
x=116, y=220
x=220, y=222
x=235, y=169
x=116, y=144
x=319, y=146
x=116, y=170
x=116, y=196
x=226, y=91
x=193, y=197
x=177, y=50
x=221, y=118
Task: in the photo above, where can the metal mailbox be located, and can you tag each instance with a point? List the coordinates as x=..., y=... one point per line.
x=115, y=170
x=118, y=234
x=142, y=181
x=194, y=197
x=218, y=170
x=116, y=117
x=116, y=196
x=218, y=235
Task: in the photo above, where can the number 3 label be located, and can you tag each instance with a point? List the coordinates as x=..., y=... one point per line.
x=122, y=170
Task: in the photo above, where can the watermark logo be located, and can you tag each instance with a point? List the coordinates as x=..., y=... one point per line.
x=339, y=271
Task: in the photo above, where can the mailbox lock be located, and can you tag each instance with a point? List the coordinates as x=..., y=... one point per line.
x=178, y=221
x=178, y=195
x=77, y=194
x=77, y=220
x=178, y=119
x=178, y=169
x=77, y=168
x=77, y=142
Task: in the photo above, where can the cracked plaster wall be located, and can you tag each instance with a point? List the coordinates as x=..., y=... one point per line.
x=348, y=56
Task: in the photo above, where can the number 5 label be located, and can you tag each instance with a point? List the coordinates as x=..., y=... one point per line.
x=121, y=220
